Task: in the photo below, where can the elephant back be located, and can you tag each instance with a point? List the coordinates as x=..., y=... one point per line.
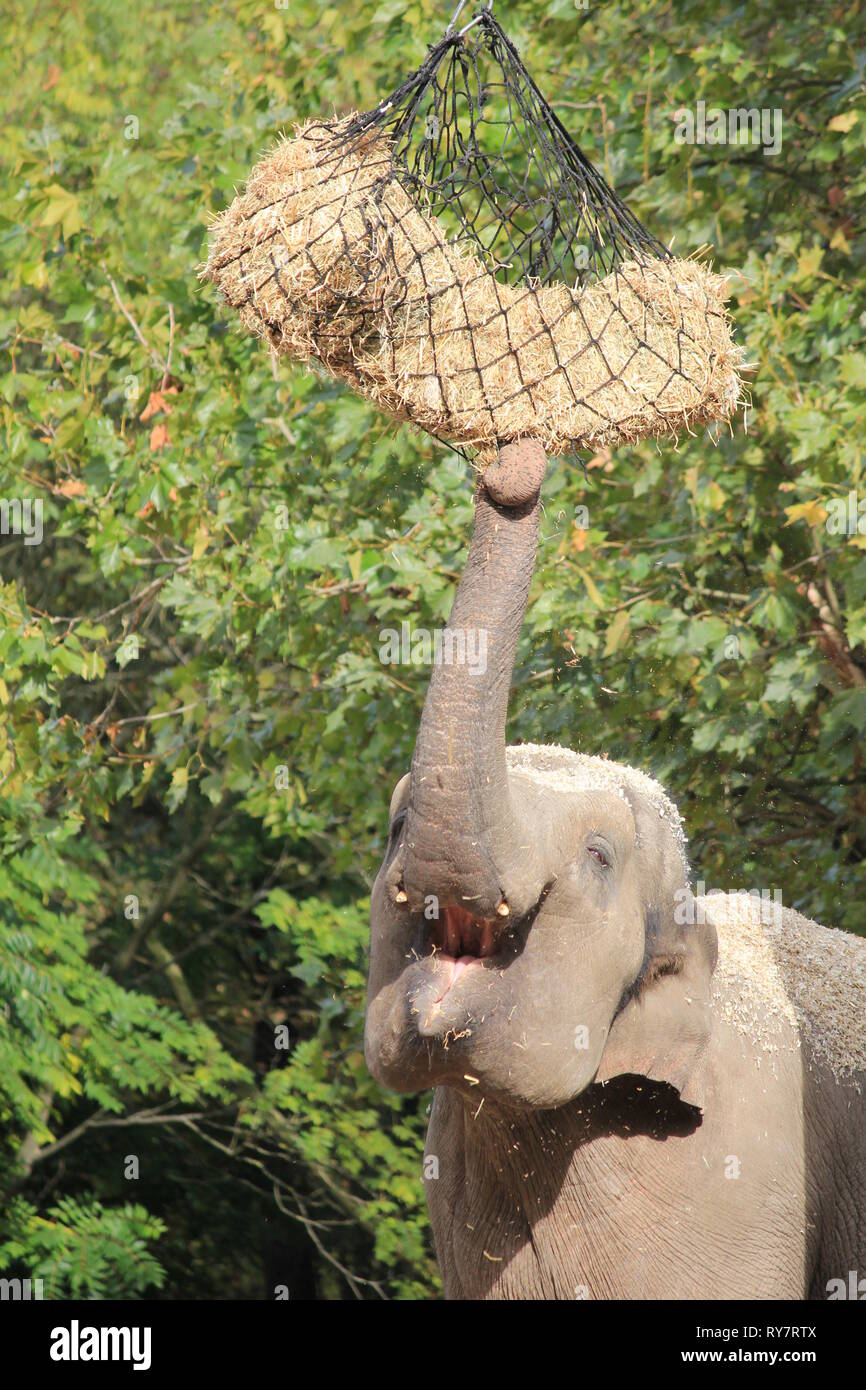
x=776, y=965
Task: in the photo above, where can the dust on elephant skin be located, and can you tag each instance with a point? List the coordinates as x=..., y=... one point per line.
x=639, y=1093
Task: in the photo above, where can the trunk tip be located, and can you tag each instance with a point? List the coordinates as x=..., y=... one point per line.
x=515, y=477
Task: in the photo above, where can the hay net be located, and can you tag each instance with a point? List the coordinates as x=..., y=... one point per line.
x=473, y=141
x=455, y=257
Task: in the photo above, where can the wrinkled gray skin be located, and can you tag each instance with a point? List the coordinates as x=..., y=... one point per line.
x=670, y=1157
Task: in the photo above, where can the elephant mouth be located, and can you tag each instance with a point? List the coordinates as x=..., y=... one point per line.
x=462, y=937
x=456, y=946
x=460, y=942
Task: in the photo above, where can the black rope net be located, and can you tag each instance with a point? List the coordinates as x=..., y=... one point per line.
x=455, y=257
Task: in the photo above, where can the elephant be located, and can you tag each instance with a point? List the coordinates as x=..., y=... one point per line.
x=640, y=1092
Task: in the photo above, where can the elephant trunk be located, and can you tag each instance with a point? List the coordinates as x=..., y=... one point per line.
x=463, y=841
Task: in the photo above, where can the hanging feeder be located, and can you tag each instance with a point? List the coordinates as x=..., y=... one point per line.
x=457, y=259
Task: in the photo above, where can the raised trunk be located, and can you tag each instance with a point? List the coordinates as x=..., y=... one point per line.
x=463, y=840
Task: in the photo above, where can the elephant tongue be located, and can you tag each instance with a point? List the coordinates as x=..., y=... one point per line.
x=453, y=970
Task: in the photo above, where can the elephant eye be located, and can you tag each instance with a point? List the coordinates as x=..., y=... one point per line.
x=598, y=855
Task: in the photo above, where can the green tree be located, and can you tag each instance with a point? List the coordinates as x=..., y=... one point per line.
x=197, y=738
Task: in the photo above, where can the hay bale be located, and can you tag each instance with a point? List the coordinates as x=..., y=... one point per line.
x=325, y=256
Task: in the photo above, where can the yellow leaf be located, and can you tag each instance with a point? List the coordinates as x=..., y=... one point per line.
x=840, y=242
x=37, y=277
x=200, y=544
x=616, y=632
x=355, y=565
x=66, y=1085
x=808, y=262
x=843, y=123
x=591, y=588
x=62, y=207
x=813, y=513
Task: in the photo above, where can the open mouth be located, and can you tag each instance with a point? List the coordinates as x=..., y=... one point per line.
x=460, y=960
x=456, y=933
x=457, y=948
x=460, y=941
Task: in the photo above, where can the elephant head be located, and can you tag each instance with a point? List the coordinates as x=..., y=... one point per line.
x=530, y=931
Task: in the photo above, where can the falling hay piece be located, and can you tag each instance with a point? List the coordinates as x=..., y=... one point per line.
x=335, y=252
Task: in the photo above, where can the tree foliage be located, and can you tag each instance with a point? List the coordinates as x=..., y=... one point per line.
x=198, y=740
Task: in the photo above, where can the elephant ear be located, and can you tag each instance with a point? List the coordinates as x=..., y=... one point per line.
x=662, y=1027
